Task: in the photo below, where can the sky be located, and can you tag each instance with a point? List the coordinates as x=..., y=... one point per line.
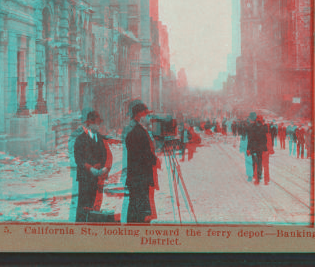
x=200, y=37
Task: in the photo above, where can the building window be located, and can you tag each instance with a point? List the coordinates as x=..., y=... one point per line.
x=114, y=17
x=133, y=19
x=134, y=26
x=107, y=20
x=133, y=10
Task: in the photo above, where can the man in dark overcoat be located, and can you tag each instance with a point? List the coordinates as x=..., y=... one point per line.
x=234, y=128
x=273, y=132
x=93, y=159
x=141, y=159
x=282, y=135
x=257, y=144
x=300, y=141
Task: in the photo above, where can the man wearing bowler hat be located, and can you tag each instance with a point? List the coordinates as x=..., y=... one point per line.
x=141, y=159
x=257, y=143
x=93, y=158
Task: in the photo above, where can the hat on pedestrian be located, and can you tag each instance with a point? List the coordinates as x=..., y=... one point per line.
x=93, y=117
x=85, y=112
x=252, y=116
x=140, y=108
x=136, y=106
x=131, y=105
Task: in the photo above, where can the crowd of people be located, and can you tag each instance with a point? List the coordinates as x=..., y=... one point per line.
x=258, y=137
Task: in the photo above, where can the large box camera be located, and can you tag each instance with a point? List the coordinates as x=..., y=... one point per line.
x=163, y=126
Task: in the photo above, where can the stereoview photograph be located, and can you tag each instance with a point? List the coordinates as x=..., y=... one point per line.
x=158, y=112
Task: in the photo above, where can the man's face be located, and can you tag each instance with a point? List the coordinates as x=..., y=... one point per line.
x=144, y=120
x=94, y=127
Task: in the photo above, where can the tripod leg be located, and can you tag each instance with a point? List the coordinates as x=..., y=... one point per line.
x=185, y=189
x=187, y=195
x=181, y=187
x=169, y=171
x=175, y=185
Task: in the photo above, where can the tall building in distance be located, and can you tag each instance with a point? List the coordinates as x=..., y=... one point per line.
x=235, y=49
x=274, y=70
x=236, y=37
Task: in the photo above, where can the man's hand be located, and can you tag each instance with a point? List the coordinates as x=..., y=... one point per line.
x=95, y=172
x=248, y=153
x=104, y=170
x=100, y=188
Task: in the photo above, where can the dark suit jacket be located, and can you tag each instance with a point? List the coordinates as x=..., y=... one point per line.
x=273, y=131
x=300, y=135
x=282, y=131
x=257, y=138
x=140, y=158
x=87, y=154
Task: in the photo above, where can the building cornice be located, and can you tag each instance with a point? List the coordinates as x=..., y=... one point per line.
x=20, y=17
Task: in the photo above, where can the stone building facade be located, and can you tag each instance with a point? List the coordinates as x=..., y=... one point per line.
x=168, y=77
x=60, y=58
x=44, y=46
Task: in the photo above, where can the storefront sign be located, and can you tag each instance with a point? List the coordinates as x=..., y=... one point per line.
x=296, y=100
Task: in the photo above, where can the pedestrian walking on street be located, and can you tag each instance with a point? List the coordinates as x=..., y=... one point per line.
x=194, y=141
x=274, y=133
x=239, y=127
x=266, y=154
x=257, y=143
x=300, y=141
x=184, y=138
x=229, y=126
x=141, y=159
x=292, y=138
x=94, y=160
x=282, y=135
x=308, y=141
x=243, y=149
x=234, y=128
x=224, y=127
x=207, y=125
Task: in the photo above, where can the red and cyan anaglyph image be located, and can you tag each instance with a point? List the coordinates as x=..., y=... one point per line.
x=156, y=112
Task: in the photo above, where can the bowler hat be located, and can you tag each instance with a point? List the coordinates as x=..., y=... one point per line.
x=131, y=105
x=136, y=106
x=93, y=117
x=140, y=108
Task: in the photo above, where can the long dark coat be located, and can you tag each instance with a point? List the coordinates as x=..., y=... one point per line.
x=87, y=154
x=257, y=138
x=140, y=161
